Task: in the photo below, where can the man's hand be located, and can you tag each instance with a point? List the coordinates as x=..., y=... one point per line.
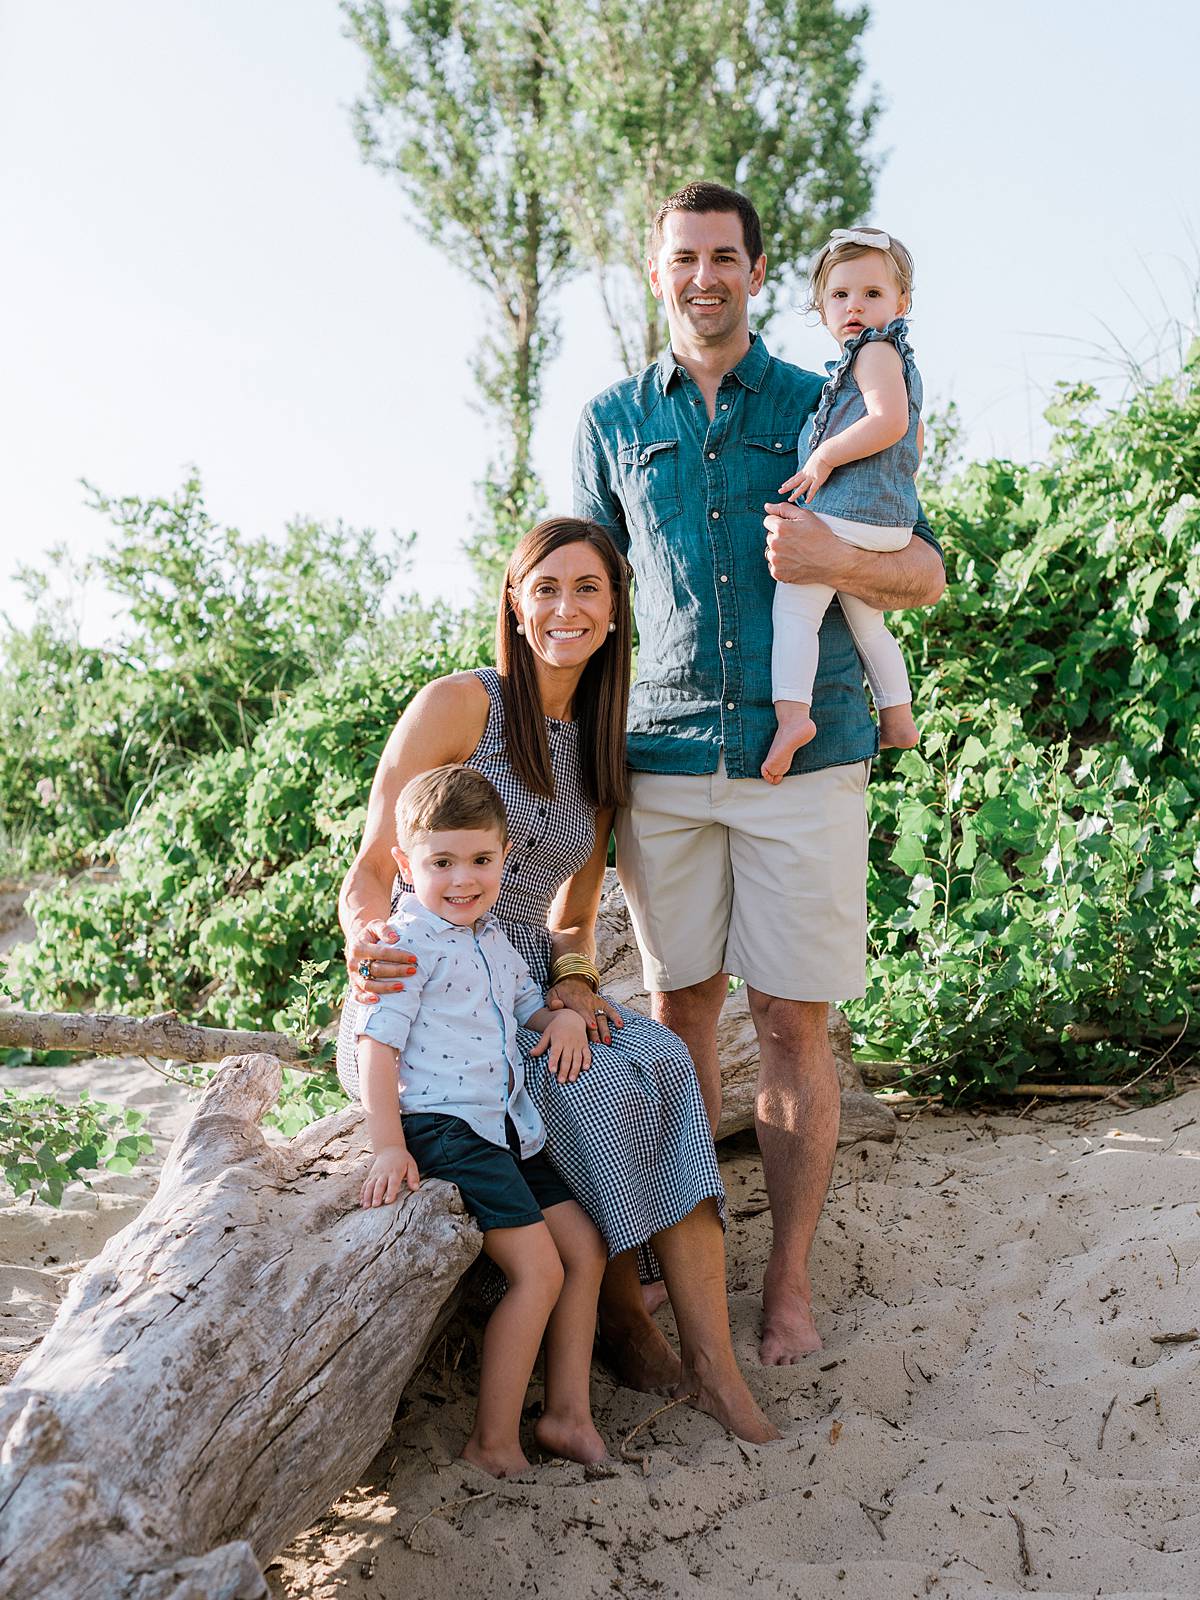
x=805, y=483
x=387, y=1175
x=800, y=547
x=564, y=1042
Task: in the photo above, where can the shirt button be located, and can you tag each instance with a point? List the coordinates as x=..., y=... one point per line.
x=729, y=644
x=712, y=455
x=715, y=515
x=725, y=406
x=724, y=577
x=729, y=705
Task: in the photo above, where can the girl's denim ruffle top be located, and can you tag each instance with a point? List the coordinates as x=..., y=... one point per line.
x=878, y=489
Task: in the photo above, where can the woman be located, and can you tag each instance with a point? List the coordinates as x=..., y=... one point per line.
x=630, y=1135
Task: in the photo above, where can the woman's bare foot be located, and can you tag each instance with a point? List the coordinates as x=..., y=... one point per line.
x=796, y=728
x=725, y=1397
x=502, y=1462
x=897, y=730
x=789, y=1332
x=573, y=1438
x=639, y=1355
x=654, y=1297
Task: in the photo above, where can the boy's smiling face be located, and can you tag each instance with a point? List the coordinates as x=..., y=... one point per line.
x=455, y=872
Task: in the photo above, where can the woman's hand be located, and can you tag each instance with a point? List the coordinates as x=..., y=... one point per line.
x=387, y=968
x=576, y=994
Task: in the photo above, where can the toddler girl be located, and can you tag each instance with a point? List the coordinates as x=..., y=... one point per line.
x=859, y=461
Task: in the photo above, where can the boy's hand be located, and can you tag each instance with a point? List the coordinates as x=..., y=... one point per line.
x=565, y=1038
x=387, y=1175
x=809, y=479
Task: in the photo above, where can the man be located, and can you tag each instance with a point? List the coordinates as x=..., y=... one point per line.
x=724, y=873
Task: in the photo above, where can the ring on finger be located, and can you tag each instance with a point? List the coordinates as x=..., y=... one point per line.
x=364, y=969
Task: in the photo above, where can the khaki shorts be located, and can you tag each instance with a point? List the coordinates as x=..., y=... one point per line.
x=765, y=882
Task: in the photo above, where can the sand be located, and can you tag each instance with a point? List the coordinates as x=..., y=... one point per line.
x=989, y=1293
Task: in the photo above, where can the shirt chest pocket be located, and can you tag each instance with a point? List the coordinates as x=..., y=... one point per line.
x=650, y=482
x=770, y=458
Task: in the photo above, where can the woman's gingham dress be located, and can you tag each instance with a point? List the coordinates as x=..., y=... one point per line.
x=630, y=1136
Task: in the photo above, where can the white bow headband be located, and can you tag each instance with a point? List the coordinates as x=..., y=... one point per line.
x=873, y=239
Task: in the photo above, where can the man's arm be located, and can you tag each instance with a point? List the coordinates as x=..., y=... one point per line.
x=801, y=549
x=591, y=490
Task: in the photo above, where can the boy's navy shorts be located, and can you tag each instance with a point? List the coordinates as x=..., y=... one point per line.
x=498, y=1188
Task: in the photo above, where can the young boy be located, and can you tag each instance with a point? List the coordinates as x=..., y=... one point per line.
x=463, y=1113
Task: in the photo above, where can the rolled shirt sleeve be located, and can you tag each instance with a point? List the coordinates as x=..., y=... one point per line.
x=391, y=1017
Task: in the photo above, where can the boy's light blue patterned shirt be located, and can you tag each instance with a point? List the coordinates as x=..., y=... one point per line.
x=455, y=1024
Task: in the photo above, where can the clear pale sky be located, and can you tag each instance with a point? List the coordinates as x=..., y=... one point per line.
x=197, y=268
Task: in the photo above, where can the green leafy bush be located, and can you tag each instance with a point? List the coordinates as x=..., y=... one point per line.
x=1033, y=866
x=226, y=883
x=45, y=1145
x=220, y=630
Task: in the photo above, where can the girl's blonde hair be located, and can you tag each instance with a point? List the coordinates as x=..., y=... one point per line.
x=847, y=244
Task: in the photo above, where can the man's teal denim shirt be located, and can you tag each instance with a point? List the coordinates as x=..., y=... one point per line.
x=683, y=498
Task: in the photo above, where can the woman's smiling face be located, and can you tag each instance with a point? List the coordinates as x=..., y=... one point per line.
x=565, y=605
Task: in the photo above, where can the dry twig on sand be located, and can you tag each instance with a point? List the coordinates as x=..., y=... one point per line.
x=449, y=1505
x=643, y=1461
x=1026, y=1564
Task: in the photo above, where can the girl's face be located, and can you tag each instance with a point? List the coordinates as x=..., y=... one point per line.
x=862, y=293
x=565, y=604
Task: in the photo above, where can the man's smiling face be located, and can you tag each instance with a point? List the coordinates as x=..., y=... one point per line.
x=704, y=277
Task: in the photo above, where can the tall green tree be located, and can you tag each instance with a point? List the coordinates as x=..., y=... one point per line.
x=763, y=95
x=456, y=110
x=535, y=138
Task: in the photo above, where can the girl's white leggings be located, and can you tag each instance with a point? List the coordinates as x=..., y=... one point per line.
x=796, y=618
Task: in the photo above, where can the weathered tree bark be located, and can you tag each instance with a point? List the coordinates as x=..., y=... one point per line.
x=226, y=1366
x=164, y=1035
x=863, y=1117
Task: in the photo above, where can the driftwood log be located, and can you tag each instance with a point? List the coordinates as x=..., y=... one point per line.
x=164, y=1035
x=226, y=1366
x=863, y=1117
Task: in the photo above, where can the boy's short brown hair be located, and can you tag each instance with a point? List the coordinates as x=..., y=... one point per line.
x=447, y=797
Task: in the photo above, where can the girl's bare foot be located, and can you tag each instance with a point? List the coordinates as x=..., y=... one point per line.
x=573, y=1438
x=725, y=1397
x=505, y=1461
x=796, y=728
x=897, y=730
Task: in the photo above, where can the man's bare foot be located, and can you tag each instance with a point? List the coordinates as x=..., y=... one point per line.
x=796, y=728
x=897, y=730
x=502, y=1462
x=640, y=1356
x=654, y=1297
x=725, y=1397
x=570, y=1437
x=789, y=1332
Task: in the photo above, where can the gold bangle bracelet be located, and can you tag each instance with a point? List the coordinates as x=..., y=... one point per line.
x=575, y=966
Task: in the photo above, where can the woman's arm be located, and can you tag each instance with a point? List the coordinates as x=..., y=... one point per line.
x=572, y=925
x=879, y=373
x=444, y=722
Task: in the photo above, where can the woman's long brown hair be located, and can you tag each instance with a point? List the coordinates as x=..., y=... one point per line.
x=602, y=695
